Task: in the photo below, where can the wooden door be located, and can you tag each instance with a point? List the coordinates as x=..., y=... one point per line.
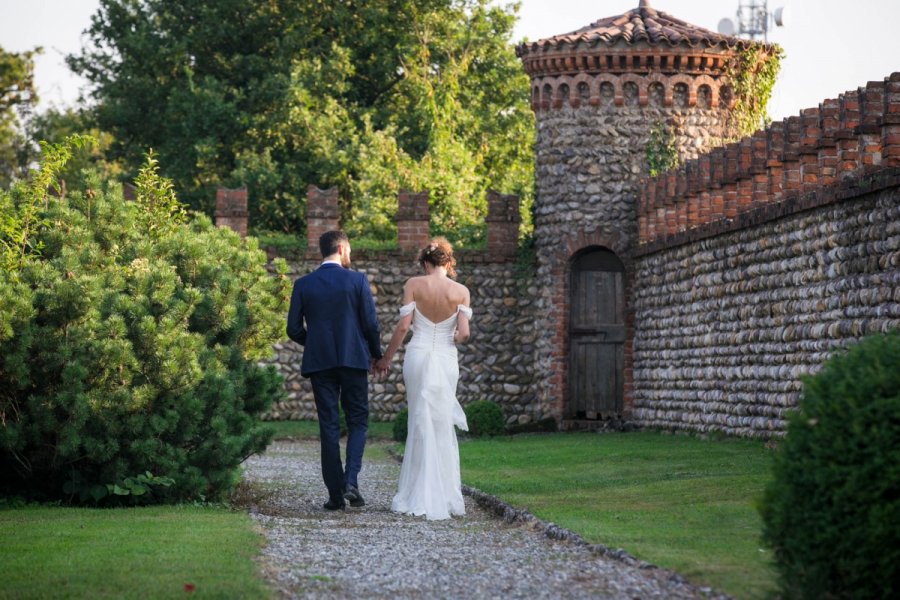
x=596, y=336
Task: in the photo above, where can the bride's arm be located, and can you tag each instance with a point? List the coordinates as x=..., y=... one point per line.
x=400, y=331
x=462, y=324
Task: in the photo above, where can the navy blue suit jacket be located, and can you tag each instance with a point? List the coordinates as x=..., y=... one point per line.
x=332, y=315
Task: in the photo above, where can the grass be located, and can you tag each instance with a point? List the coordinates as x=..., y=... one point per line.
x=148, y=552
x=679, y=502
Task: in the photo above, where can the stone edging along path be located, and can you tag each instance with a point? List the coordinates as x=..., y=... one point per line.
x=494, y=551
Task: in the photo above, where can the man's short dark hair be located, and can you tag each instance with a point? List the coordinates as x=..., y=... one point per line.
x=330, y=242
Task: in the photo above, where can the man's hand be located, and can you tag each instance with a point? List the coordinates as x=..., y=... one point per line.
x=381, y=367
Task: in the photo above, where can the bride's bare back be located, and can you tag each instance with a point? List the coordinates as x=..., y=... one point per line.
x=436, y=296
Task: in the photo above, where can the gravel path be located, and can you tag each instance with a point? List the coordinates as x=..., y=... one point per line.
x=371, y=552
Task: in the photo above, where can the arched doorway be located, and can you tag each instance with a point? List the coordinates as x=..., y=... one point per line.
x=596, y=336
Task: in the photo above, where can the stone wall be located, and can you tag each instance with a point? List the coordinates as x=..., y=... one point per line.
x=495, y=364
x=727, y=326
x=761, y=259
x=590, y=165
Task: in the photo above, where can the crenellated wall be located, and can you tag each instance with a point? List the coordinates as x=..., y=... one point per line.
x=497, y=363
x=759, y=260
x=745, y=269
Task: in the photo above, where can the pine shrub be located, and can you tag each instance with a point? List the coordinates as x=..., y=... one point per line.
x=130, y=335
x=485, y=418
x=400, y=426
x=832, y=511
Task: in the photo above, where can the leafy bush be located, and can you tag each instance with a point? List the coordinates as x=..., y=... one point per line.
x=485, y=418
x=832, y=511
x=129, y=341
x=401, y=424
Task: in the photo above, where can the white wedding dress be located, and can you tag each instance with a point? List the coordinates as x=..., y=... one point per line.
x=429, y=477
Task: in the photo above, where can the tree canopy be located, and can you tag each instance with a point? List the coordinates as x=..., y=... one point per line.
x=372, y=97
x=17, y=96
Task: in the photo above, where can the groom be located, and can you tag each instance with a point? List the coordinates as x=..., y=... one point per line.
x=332, y=314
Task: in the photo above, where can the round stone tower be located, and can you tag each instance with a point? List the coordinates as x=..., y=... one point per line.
x=597, y=93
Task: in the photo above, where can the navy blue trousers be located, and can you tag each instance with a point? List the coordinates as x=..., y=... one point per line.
x=350, y=387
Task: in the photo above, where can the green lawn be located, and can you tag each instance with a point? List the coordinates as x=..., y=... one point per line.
x=676, y=501
x=153, y=552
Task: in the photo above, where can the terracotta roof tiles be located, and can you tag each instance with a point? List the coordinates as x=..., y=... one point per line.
x=642, y=24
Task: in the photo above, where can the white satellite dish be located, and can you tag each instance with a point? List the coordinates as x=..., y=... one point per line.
x=781, y=16
x=726, y=27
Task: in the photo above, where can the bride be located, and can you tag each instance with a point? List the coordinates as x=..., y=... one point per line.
x=437, y=309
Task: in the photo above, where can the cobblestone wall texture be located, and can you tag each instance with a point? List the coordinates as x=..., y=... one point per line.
x=590, y=162
x=495, y=364
x=727, y=326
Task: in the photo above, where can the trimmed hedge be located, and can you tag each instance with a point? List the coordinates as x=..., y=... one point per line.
x=400, y=426
x=832, y=511
x=485, y=419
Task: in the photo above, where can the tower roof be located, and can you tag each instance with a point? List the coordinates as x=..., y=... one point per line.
x=641, y=24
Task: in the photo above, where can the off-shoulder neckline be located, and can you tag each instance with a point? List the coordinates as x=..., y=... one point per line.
x=408, y=308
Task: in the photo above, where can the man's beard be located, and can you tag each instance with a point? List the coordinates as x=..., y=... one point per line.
x=345, y=262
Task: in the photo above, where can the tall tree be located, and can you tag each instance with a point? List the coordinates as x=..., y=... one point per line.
x=276, y=95
x=17, y=98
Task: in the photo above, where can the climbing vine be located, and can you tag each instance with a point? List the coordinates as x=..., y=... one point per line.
x=753, y=74
x=661, y=151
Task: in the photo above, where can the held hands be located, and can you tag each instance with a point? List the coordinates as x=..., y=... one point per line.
x=381, y=367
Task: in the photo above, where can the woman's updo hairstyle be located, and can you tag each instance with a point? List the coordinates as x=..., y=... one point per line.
x=439, y=253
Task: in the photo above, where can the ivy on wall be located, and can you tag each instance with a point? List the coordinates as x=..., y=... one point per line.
x=661, y=150
x=753, y=73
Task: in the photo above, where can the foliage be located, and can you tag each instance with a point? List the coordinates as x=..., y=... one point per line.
x=401, y=426
x=676, y=501
x=55, y=125
x=17, y=99
x=753, y=75
x=130, y=337
x=832, y=508
x=372, y=97
x=661, y=151
x=485, y=418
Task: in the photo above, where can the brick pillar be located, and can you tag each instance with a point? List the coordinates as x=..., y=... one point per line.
x=231, y=209
x=412, y=220
x=774, y=166
x=745, y=176
x=648, y=215
x=671, y=203
x=760, y=187
x=681, y=199
x=662, y=209
x=703, y=185
x=732, y=155
x=890, y=131
x=809, y=149
x=322, y=214
x=692, y=186
x=502, y=224
x=847, y=142
x=871, y=111
x=790, y=157
x=717, y=182
x=828, y=152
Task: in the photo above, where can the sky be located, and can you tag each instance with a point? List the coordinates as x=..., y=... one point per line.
x=831, y=46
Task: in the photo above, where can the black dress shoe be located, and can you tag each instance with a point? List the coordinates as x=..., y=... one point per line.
x=352, y=495
x=334, y=505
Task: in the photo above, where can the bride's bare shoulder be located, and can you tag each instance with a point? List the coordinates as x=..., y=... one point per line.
x=461, y=290
x=414, y=281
